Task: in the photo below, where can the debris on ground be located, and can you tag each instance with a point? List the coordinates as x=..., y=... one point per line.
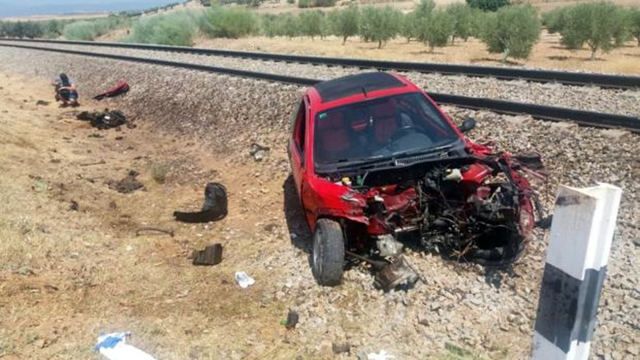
x=120, y=88
x=127, y=185
x=258, y=151
x=341, y=347
x=155, y=229
x=244, y=280
x=211, y=255
x=398, y=275
x=214, y=207
x=382, y=355
x=104, y=119
x=114, y=347
x=42, y=103
x=74, y=205
x=292, y=320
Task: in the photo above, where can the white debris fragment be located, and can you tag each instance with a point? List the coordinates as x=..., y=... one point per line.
x=244, y=280
x=382, y=355
x=114, y=347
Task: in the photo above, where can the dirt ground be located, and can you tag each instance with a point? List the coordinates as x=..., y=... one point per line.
x=87, y=272
x=547, y=53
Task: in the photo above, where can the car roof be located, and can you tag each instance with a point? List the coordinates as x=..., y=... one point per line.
x=358, y=87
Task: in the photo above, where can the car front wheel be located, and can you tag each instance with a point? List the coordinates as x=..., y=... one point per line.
x=328, y=253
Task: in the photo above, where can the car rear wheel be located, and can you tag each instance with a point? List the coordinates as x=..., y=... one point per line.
x=328, y=253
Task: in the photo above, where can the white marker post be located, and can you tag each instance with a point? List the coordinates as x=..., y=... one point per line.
x=581, y=233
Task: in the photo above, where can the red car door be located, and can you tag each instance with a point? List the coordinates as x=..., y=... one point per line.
x=297, y=144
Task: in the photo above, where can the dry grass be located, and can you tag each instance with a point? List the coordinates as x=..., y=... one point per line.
x=66, y=276
x=548, y=53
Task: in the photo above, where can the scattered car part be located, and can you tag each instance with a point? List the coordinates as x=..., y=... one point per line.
x=398, y=275
x=244, y=280
x=213, y=209
x=120, y=88
x=388, y=245
x=103, y=119
x=292, y=320
x=211, y=255
x=151, y=228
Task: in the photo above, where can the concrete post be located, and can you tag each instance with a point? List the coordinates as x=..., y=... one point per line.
x=581, y=233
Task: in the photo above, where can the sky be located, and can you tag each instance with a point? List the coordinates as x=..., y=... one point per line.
x=10, y=8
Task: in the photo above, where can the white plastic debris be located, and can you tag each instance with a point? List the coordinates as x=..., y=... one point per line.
x=244, y=280
x=114, y=347
x=382, y=355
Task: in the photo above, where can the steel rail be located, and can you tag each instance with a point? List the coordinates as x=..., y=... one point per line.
x=586, y=118
x=508, y=73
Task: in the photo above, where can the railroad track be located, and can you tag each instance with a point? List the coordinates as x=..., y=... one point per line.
x=505, y=73
x=581, y=117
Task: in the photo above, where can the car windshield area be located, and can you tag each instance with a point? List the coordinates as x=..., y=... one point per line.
x=380, y=128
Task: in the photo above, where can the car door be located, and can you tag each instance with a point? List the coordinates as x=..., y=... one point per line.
x=297, y=144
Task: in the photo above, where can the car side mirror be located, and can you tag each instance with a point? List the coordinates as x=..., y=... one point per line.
x=467, y=124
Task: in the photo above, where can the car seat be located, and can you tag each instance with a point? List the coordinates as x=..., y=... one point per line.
x=384, y=121
x=332, y=137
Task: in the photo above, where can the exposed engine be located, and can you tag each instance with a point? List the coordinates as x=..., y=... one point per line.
x=478, y=210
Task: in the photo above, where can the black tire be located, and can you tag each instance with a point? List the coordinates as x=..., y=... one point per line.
x=327, y=262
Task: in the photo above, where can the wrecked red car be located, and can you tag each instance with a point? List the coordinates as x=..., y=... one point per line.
x=374, y=159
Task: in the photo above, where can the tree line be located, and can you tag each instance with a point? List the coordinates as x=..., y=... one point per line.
x=511, y=30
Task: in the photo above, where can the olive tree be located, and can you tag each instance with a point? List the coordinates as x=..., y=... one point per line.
x=462, y=18
x=311, y=23
x=488, y=5
x=512, y=31
x=634, y=23
x=379, y=24
x=412, y=23
x=601, y=26
x=345, y=22
x=437, y=29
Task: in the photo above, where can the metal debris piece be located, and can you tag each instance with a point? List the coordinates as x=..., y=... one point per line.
x=211, y=255
x=292, y=320
x=398, y=275
x=103, y=119
x=214, y=207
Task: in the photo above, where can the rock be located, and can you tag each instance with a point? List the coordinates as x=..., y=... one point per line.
x=341, y=347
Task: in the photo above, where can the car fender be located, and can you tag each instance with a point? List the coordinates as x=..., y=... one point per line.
x=323, y=198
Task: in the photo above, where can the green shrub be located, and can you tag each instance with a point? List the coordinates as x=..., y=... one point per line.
x=176, y=28
x=291, y=1
x=634, y=23
x=315, y=3
x=602, y=26
x=345, y=23
x=488, y=5
x=22, y=29
x=379, y=24
x=229, y=22
x=554, y=20
x=89, y=30
x=436, y=29
x=512, y=31
x=311, y=23
x=462, y=18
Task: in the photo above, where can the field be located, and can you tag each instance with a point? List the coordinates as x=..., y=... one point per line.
x=547, y=53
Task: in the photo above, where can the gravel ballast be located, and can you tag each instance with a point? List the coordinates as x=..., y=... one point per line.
x=491, y=312
x=614, y=101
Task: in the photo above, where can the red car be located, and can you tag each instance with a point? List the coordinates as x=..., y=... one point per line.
x=374, y=159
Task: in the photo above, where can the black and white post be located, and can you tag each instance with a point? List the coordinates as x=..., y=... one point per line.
x=581, y=234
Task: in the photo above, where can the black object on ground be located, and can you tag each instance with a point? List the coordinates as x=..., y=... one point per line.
x=292, y=320
x=214, y=207
x=120, y=88
x=211, y=255
x=127, y=185
x=103, y=119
